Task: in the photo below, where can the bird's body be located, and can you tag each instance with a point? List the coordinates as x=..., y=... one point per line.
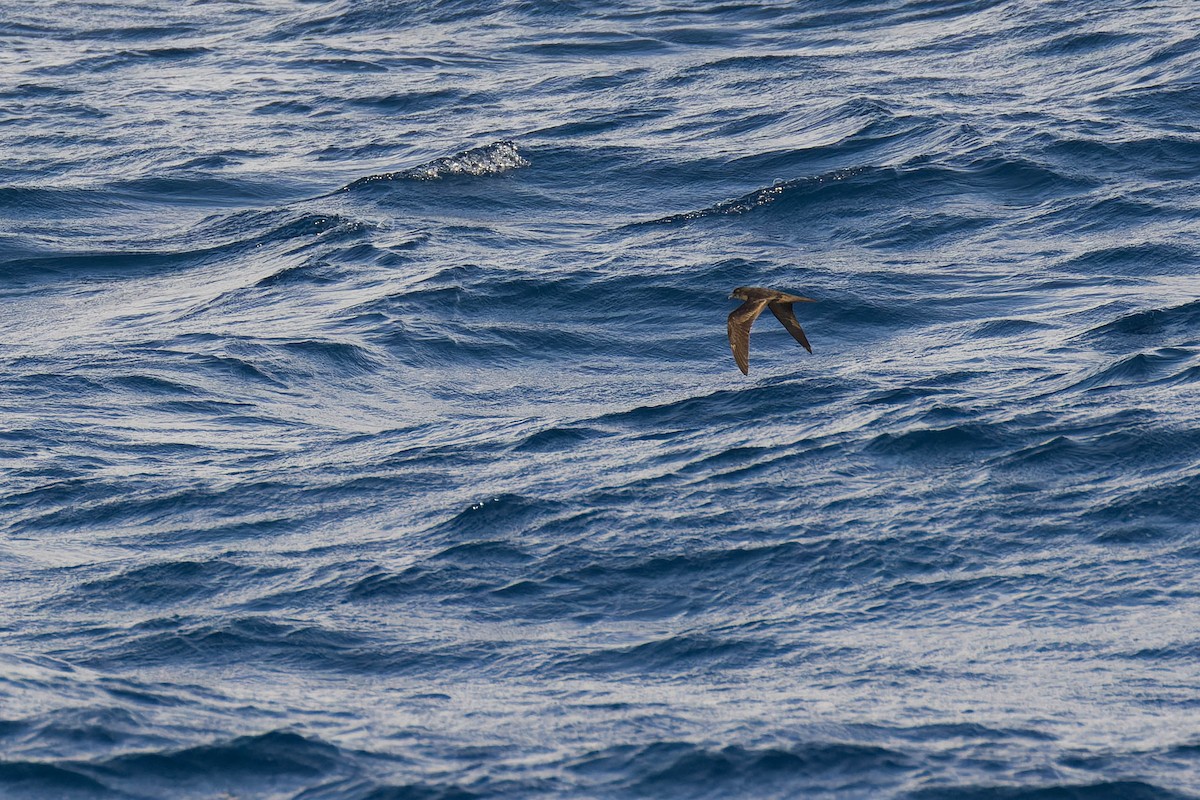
x=744, y=315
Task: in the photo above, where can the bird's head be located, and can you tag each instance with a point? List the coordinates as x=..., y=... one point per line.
x=740, y=293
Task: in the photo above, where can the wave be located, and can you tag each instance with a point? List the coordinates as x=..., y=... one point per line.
x=1172, y=324
x=122, y=60
x=264, y=762
x=503, y=513
x=1142, y=369
x=956, y=442
x=219, y=238
x=1141, y=259
x=356, y=16
x=1106, y=790
x=1158, y=502
x=492, y=159
x=173, y=583
x=684, y=769
x=1073, y=44
x=676, y=655
x=38, y=779
x=759, y=197
x=1003, y=179
x=408, y=102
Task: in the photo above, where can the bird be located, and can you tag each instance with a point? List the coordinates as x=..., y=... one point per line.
x=742, y=317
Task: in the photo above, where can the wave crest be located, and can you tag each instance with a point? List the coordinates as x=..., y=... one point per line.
x=492, y=159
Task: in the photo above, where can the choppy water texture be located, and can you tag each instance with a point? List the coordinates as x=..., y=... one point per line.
x=368, y=428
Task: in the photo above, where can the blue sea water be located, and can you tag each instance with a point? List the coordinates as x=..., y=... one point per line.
x=368, y=428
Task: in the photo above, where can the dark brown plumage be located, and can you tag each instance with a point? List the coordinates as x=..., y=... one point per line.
x=744, y=315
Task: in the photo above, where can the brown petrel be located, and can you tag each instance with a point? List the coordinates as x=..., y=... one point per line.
x=744, y=315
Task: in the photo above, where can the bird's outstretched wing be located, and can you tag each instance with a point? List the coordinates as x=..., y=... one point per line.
x=740, y=320
x=783, y=312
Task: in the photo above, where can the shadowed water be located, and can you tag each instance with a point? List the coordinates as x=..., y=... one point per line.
x=368, y=428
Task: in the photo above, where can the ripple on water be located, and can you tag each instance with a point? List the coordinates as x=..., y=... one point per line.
x=369, y=427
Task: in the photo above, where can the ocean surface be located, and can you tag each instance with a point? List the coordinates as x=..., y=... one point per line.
x=368, y=427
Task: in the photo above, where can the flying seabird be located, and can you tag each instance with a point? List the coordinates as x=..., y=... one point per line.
x=744, y=315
